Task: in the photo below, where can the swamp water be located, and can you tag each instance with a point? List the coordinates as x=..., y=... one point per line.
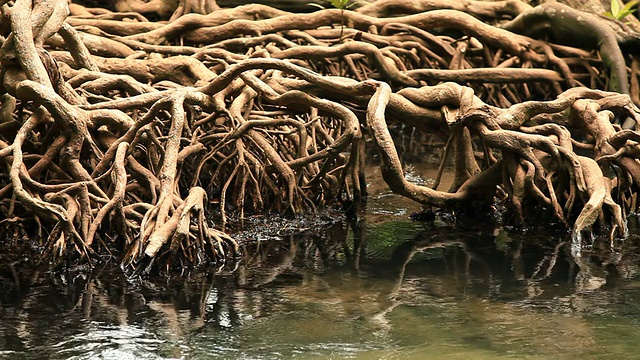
x=384, y=287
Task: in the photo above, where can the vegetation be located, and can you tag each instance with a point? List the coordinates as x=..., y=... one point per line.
x=118, y=135
x=619, y=13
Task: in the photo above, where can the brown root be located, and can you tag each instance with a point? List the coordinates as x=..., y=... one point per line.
x=123, y=135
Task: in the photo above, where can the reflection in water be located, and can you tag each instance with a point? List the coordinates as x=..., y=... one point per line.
x=392, y=289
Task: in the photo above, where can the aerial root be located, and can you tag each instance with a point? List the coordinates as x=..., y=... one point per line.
x=129, y=135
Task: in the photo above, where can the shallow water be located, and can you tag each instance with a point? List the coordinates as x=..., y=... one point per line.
x=384, y=287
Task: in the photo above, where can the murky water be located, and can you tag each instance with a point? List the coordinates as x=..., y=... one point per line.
x=384, y=287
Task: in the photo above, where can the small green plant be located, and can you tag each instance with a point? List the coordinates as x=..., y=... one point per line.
x=617, y=12
x=340, y=4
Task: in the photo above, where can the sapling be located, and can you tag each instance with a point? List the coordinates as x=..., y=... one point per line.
x=617, y=12
x=342, y=5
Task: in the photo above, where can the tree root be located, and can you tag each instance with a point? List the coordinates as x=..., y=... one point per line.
x=121, y=134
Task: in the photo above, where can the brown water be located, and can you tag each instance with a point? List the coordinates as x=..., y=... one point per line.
x=384, y=287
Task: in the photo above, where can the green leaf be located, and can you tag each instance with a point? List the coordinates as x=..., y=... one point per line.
x=615, y=8
x=608, y=14
x=339, y=4
x=624, y=14
x=628, y=6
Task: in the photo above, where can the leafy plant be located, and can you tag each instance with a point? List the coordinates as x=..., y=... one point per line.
x=340, y=4
x=616, y=12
